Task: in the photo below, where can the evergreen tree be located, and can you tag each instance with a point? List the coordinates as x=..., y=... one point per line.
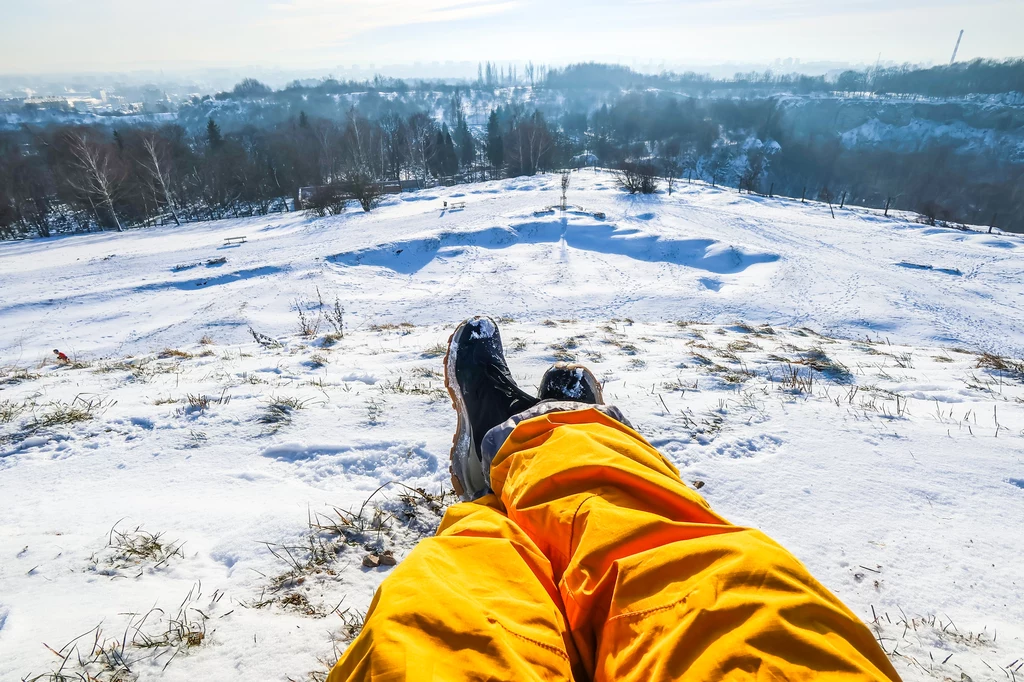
x=213, y=136
x=467, y=146
x=495, y=146
x=451, y=160
x=303, y=120
x=435, y=155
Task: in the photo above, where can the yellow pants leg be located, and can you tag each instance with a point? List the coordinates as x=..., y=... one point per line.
x=607, y=567
x=655, y=585
x=476, y=602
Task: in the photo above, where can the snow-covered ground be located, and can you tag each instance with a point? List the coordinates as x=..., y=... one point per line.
x=819, y=377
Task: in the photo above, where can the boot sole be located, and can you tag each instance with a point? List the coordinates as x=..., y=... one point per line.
x=590, y=378
x=460, y=441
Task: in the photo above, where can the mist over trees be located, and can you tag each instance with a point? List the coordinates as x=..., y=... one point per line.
x=249, y=150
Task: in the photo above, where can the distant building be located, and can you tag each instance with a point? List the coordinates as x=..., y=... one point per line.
x=50, y=102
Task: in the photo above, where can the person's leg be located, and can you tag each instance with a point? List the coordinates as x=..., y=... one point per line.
x=655, y=585
x=476, y=602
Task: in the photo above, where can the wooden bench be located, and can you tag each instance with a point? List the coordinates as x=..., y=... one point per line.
x=234, y=241
x=455, y=205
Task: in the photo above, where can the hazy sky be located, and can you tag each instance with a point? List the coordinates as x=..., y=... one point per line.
x=124, y=35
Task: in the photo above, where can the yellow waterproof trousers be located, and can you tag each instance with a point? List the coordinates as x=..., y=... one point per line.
x=593, y=561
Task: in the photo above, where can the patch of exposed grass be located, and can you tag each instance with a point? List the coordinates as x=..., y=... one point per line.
x=795, y=380
x=9, y=411
x=173, y=353
x=563, y=351
x=703, y=360
x=412, y=388
x=998, y=363
x=401, y=327
x=207, y=340
x=741, y=345
x=60, y=413
x=330, y=339
x=140, y=369
x=15, y=375
x=135, y=548
x=199, y=403
x=730, y=376
x=904, y=360
x=678, y=384
x=372, y=530
x=727, y=354
x=435, y=351
x=624, y=347
x=92, y=657
x=278, y=412
x=834, y=370
x=317, y=360
x=426, y=373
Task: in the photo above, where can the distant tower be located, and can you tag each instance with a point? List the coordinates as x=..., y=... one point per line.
x=957, y=48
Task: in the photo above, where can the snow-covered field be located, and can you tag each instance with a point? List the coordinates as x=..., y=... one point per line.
x=820, y=378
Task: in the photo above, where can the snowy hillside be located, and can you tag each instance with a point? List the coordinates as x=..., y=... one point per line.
x=218, y=508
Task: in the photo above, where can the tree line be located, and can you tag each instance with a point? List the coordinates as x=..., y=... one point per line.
x=752, y=144
x=79, y=178
x=978, y=76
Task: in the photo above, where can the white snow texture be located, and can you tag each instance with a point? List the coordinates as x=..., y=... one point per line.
x=820, y=377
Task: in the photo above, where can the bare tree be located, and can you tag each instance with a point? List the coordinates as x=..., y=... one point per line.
x=365, y=189
x=638, y=178
x=671, y=166
x=157, y=168
x=97, y=176
x=327, y=200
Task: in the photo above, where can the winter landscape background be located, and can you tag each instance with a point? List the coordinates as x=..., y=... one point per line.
x=199, y=489
x=788, y=238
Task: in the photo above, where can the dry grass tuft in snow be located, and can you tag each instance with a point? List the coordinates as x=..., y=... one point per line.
x=135, y=548
x=997, y=363
x=151, y=638
x=10, y=410
x=835, y=371
x=334, y=542
x=61, y=413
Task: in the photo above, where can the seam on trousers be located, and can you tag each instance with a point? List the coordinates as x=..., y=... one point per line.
x=572, y=537
x=646, y=612
x=572, y=526
x=542, y=645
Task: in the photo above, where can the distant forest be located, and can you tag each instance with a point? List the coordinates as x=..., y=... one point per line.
x=249, y=150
